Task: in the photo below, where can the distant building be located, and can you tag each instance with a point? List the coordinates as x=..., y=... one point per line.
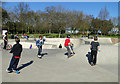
x=68, y=30
x=3, y=32
x=99, y=31
x=114, y=30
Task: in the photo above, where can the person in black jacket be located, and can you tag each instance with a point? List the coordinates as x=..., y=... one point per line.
x=95, y=46
x=16, y=50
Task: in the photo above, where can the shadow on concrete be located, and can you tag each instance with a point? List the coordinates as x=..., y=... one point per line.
x=88, y=55
x=70, y=56
x=67, y=55
x=43, y=54
x=24, y=65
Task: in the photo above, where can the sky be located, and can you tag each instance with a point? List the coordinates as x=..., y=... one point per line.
x=90, y=8
x=60, y=0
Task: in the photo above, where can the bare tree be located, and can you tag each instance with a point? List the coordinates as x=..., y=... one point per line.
x=104, y=14
x=20, y=11
x=50, y=12
x=60, y=19
x=114, y=21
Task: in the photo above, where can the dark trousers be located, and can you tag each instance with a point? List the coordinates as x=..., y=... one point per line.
x=94, y=57
x=39, y=50
x=5, y=44
x=13, y=64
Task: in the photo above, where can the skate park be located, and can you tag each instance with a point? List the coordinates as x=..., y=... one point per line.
x=56, y=67
x=81, y=22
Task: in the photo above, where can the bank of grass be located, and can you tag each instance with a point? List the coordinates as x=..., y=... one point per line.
x=55, y=35
x=64, y=35
x=72, y=35
x=109, y=36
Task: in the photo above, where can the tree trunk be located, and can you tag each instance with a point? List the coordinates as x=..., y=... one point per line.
x=35, y=31
x=8, y=29
x=49, y=31
x=71, y=30
x=15, y=30
x=101, y=34
x=59, y=33
x=22, y=27
x=22, y=30
x=32, y=31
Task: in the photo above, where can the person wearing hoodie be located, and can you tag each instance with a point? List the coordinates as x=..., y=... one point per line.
x=16, y=50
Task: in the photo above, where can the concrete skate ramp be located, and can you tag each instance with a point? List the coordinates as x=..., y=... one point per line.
x=58, y=41
x=50, y=43
x=117, y=44
x=105, y=41
x=102, y=41
x=56, y=67
x=53, y=43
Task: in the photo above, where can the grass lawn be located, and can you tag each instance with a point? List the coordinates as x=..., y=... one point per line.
x=63, y=35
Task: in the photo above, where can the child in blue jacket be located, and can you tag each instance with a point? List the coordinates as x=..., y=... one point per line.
x=39, y=44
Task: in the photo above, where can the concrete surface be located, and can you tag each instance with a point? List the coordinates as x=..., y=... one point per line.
x=53, y=43
x=0, y=65
x=50, y=43
x=102, y=40
x=56, y=67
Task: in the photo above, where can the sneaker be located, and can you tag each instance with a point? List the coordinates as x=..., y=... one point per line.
x=14, y=71
x=92, y=64
x=39, y=56
x=8, y=71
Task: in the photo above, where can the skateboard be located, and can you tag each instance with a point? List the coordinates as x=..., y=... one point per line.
x=31, y=46
x=72, y=49
x=17, y=72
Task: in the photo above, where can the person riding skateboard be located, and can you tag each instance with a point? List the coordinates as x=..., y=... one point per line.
x=39, y=44
x=67, y=45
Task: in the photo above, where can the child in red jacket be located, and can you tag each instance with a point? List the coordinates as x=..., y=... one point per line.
x=67, y=45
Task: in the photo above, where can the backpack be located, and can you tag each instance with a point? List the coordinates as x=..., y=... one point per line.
x=60, y=46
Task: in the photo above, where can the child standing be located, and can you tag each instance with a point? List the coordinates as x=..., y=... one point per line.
x=16, y=50
x=94, y=49
x=5, y=38
x=39, y=44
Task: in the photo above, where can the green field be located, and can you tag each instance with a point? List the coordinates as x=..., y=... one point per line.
x=63, y=35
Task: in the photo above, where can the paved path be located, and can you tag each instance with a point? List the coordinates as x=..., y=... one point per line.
x=0, y=66
x=56, y=67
